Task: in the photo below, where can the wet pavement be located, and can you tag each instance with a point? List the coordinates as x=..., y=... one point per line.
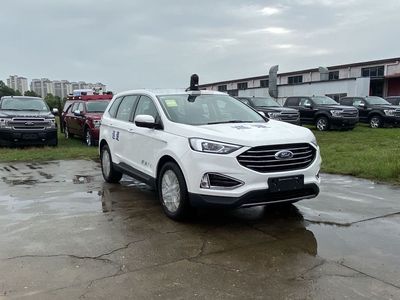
x=65, y=234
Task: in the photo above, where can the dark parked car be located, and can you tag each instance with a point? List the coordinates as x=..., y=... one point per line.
x=375, y=111
x=272, y=109
x=395, y=100
x=83, y=119
x=324, y=112
x=26, y=121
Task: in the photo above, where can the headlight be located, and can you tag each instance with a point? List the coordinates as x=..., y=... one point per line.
x=389, y=112
x=336, y=113
x=4, y=123
x=212, y=146
x=274, y=115
x=51, y=124
x=97, y=123
x=314, y=141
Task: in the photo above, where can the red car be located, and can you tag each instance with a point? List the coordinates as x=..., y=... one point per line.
x=83, y=117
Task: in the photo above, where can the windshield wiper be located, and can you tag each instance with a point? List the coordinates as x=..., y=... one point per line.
x=232, y=121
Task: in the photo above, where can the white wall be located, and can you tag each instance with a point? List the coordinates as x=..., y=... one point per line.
x=351, y=87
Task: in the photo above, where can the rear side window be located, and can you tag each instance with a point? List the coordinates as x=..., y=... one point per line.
x=125, y=108
x=292, y=101
x=114, y=107
x=346, y=101
x=305, y=101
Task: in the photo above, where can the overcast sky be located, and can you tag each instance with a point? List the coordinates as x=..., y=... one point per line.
x=129, y=44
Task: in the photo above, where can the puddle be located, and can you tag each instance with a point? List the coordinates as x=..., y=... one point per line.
x=20, y=181
x=81, y=179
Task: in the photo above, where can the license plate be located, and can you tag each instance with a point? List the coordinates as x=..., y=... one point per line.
x=282, y=184
x=29, y=136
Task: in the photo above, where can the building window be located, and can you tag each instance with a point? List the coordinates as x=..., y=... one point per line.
x=334, y=75
x=295, y=79
x=242, y=85
x=264, y=83
x=233, y=93
x=373, y=71
x=222, y=88
x=336, y=97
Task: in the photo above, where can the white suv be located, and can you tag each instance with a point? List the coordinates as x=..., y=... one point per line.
x=205, y=148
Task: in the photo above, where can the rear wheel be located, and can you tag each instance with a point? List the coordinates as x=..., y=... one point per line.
x=322, y=123
x=109, y=173
x=375, y=121
x=172, y=192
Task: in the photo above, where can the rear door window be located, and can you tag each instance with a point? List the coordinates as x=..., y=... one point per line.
x=293, y=101
x=125, y=108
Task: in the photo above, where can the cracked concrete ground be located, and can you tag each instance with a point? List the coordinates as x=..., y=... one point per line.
x=65, y=234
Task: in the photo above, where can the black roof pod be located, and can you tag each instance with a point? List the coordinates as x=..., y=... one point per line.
x=194, y=83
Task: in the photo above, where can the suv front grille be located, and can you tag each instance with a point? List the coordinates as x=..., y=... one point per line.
x=289, y=116
x=397, y=112
x=353, y=113
x=28, y=123
x=262, y=159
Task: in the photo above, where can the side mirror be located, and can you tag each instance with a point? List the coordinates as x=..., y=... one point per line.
x=362, y=104
x=77, y=113
x=55, y=111
x=145, y=121
x=262, y=114
x=307, y=105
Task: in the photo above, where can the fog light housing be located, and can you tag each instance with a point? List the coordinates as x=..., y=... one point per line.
x=218, y=181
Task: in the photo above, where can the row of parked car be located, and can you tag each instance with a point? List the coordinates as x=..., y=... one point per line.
x=325, y=113
x=28, y=120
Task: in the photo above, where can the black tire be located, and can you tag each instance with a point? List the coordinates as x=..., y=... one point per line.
x=183, y=210
x=53, y=142
x=109, y=173
x=322, y=123
x=375, y=121
x=88, y=138
x=67, y=135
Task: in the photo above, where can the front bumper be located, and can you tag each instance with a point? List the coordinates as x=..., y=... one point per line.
x=344, y=122
x=254, y=190
x=254, y=198
x=26, y=137
x=95, y=133
x=391, y=120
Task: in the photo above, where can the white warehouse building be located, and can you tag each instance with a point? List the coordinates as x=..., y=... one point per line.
x=372, y=78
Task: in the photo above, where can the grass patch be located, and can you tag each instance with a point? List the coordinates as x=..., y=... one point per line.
x=363, y=152
x=66, y=149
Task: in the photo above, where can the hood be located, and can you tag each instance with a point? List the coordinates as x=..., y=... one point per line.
x=26, y=114
x=385, y=106
x=276, y=109
x=247, y=134
x=94, y=116
x=337, y=107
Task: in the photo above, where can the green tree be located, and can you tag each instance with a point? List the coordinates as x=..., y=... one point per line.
x=6, y=91
x=31, y=94
x=53, y=101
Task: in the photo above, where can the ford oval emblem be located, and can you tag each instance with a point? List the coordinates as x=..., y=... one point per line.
x=284, y=154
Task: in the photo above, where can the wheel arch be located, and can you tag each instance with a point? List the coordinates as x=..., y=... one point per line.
x=322, y=114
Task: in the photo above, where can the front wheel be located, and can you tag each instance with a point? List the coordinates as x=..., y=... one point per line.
x=375, y=122
x=88, y=138
x=66, y=132
x=322, y=124
x=107, y=169
x=172, y=192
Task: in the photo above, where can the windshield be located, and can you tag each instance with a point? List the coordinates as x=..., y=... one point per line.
x=265, y=102
x=24, y=104
x=207, y=109
x=376, y=100
x=96, y=106
x=323, y=100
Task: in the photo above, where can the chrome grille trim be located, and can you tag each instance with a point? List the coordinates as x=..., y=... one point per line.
x=262, y=159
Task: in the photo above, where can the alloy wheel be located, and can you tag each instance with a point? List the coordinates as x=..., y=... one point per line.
x=322, y=124
x=170, y=191
x=106, y=163
x=375, y=122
